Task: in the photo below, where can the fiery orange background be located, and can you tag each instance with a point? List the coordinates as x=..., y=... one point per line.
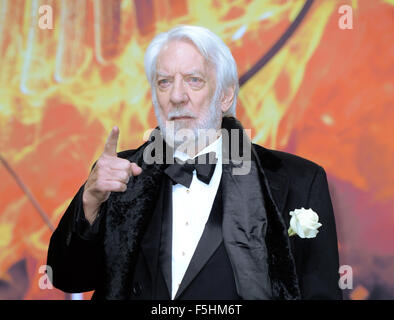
x=326, y=95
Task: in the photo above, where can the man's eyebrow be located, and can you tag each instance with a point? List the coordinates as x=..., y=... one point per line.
x=162, y=74
x=194, y=73
x=189, y=73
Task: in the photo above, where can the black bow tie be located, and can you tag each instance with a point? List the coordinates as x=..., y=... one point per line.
x=182, y=172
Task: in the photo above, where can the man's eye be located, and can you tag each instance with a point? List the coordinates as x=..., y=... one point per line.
x=195, y=81
x=163, y=83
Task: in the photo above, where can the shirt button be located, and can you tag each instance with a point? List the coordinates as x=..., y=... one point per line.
x=183, y=253
x=187, y=223
x=187, y=191
x=137, y=289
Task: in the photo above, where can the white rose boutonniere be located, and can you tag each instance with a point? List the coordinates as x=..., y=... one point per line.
x=304, y=222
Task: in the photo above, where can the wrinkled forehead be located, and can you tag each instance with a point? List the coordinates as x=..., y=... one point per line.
x=181, y=56
x=181, y=46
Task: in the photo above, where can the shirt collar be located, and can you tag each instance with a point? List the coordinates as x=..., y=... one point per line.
x=215, y=146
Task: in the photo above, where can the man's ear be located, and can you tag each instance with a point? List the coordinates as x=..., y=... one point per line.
x=227, y=98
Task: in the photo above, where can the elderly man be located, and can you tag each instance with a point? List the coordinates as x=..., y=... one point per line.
x=175, y=219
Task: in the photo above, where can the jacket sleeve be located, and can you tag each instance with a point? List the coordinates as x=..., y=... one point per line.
x=320, y=261
x=75, y=250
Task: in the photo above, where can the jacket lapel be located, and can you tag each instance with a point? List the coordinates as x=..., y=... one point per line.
x=127, y=218
x=244, y=230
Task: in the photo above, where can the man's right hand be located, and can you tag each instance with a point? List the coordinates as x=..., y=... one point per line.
x=110, y=174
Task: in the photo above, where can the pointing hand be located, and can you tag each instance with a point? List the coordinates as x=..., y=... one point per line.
x=110, y=174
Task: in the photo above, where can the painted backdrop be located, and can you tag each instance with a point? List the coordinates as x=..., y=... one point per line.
x=309, y=86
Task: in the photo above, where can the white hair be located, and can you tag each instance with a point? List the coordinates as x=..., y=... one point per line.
x=211, y=47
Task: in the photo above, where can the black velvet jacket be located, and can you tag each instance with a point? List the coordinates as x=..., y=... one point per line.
x=255, y=222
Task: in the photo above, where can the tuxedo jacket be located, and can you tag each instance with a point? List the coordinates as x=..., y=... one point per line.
x=252, y=241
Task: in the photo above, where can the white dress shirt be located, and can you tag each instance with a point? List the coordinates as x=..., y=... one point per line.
x=190, y=211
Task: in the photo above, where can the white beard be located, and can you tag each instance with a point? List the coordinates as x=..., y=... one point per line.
x=194, y=138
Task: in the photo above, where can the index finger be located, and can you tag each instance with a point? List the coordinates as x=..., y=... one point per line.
x=112, y=142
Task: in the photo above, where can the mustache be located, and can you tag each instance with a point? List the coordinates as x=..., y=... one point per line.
x=176, y=113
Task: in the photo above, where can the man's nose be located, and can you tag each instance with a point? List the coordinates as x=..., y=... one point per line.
x=178, y=92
